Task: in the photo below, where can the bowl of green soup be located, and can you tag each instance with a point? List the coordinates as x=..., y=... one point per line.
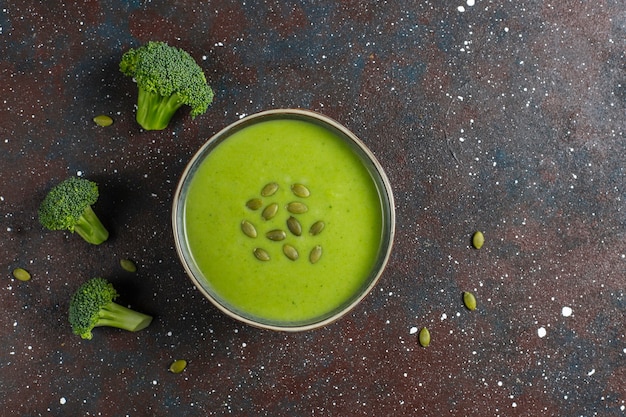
x=284, y=220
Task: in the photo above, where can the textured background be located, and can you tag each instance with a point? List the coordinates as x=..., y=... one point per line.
x=503, y=116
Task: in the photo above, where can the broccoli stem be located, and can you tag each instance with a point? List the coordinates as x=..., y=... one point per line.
x=115, y=315
x=154, y=111
x=89, y=227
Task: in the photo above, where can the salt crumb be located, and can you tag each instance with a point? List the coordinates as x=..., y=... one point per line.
x=541, y=332
x=593, y=371
x=444, y=316
x=470, y=3
x=413, y=330
x=62, y=400
x=566, y=311
x=461, y=9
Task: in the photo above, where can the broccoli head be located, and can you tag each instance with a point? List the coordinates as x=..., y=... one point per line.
x=167, y=78
x=67, y=206
x=92, y=305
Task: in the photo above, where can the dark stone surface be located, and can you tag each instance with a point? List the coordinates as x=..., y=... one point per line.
x=505, y=117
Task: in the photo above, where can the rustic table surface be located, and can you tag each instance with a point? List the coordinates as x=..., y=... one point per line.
x=506, y=117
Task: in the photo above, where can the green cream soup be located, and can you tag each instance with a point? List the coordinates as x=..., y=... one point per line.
x=342, y=194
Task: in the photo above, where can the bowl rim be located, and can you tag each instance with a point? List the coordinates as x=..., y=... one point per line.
x=385, y=196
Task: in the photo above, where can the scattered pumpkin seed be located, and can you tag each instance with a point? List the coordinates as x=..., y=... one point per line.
x=317, y=227
x=21, y=274
x=269, y=189
x=178, y=366
x=469, y=300
x=261, y=254
x=276, y=235
x=103, y=120
x=128, y=265
x=254, y=203
x=290, y=252
x=300, y=190
x=297, y=207
x=270, y=211
x=248, y=229
x=316, y=254
x=478, y=240
x=424, y=337
x=294, y=226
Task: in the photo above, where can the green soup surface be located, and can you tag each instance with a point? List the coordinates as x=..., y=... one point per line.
x=343, y=195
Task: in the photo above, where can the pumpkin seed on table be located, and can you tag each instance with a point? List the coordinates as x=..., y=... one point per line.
x=103, y=120
x=178, y=366
x=469, y=300
x=294, y=226
x=254, y=203
x=478, y=240
x=248, y=229
x=276, y=235
x=317, y=227
x=128, y=265
x=300, y=190
x=269, y=189
x=424, y=337
x=296, y=207
x=290, y=252
x=21, y=274
x=316, y=254
x=261, y=254
x=270, y=211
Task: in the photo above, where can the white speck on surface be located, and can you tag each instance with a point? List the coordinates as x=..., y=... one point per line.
x=593, y=371
x=461, y=9
x=541, y=332
x=154, y=382
x=470, y=3
x=444, y=316
x=413, y=330
x=79, y=173
x=62, y=400
x=566, y=311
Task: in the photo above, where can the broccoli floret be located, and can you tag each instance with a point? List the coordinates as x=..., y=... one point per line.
x=92, y=305
x=167, y=77
x=67, y=206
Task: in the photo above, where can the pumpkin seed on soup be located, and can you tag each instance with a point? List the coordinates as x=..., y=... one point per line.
x=294, y=226
x=290, y=252
x=317, y=227
x=254, y=203
x=261, y=254
x=270, y=211
x=248, y=229
x=269, y=189
x=297, y=207
x=300, y=190
x=316, y=254
x=276, y=235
